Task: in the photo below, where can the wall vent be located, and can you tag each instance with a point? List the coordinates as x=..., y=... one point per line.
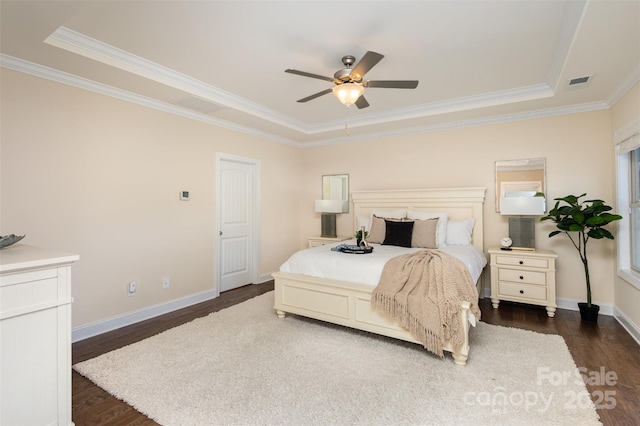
x=574, y=83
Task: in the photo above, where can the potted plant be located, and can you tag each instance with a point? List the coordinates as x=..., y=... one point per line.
x=586, y=218
x=358, y=235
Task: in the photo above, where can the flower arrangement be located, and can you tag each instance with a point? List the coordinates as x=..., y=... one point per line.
x=358, y=234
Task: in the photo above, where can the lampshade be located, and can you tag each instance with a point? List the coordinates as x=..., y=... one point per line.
x=525, y=206
x=348, y=93
x=328, y=206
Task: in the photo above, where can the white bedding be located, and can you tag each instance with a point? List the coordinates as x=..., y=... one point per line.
x=321, y=262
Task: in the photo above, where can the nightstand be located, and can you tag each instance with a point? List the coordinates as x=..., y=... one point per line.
x=320, y=241
x=524, y=276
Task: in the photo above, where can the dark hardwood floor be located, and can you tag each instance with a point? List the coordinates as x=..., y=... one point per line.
x=604, y=346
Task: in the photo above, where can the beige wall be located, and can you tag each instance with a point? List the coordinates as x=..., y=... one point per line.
x=100, y=177
x=627, y=297
x=579, y=159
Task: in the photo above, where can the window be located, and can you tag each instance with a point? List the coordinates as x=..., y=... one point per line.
x=634, y=207
x=628, y=239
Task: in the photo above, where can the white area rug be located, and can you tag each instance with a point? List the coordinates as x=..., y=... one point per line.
x=243, y=365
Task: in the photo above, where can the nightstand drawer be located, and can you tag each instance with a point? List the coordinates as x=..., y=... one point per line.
x=527, y=277
x=522, y=291
x=522, y=261
x=320, y=241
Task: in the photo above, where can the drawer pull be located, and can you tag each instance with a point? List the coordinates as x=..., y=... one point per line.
x=521, y=277
x=521, y=291
x=521, y=262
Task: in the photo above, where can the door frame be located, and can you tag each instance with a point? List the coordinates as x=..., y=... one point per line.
x=255, y=216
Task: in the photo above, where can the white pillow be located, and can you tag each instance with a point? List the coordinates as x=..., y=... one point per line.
x=459, y=231
x=441, y=233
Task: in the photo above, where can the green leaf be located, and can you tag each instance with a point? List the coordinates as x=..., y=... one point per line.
x=576, y=227
x=578, y=216
x=596, y=233
x=596, y=221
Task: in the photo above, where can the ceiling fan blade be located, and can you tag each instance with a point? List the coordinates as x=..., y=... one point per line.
x=308, y=74
x=315, y=95
x=392, y=84
x=362, y=102
x=368, y=61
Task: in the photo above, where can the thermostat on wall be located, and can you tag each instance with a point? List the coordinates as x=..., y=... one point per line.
x=184, y=195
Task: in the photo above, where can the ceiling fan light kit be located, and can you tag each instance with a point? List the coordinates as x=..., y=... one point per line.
x=349, y=84
x=348, y=93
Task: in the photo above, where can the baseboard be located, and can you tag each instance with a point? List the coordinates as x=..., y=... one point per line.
x=572, y=305
x=264, y=278
x=569, y=304
x=110, y=324
x=627, y=324
x=103, y=326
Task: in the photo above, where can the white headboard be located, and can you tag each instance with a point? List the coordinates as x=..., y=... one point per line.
x=460, y=203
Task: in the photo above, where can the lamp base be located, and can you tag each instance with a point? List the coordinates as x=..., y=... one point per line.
x=522, y=232
x=328, y=225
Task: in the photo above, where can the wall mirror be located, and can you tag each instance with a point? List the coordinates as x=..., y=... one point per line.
x=336, y=187
x=520, y=175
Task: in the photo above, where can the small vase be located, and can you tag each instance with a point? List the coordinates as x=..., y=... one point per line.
x=588, y=313
x=362, y=242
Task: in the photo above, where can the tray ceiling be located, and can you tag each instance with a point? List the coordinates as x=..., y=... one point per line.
x=223, y=62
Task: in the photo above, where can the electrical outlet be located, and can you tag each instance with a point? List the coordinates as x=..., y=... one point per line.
x=132, y=288
x=165, y=282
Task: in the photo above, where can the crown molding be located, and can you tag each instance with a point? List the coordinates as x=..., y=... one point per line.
x=88, y=47
x=47, y=73
x=476, y=122
x=625, y=86
x=454, y=105
x=73, y=41
x=40, y=71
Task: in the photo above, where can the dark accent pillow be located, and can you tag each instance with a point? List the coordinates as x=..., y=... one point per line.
x=398, y=233
x=378, y=229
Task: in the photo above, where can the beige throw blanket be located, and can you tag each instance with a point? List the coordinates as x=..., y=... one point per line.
x=423, y=291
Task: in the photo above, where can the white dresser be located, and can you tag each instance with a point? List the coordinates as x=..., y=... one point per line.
x=524, y=276
x=35, y=336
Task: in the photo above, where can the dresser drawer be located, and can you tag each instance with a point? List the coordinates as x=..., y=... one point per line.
x=522, y=291
x=522, y=261
x=519, y=276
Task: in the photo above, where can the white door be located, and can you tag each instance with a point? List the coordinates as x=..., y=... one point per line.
x=236, y=223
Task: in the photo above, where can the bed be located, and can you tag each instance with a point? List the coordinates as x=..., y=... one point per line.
x=344, y=298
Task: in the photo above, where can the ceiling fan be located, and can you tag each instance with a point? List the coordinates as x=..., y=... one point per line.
x=349, y=85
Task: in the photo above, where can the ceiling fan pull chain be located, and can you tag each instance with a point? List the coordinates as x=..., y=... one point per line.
x=346, y=129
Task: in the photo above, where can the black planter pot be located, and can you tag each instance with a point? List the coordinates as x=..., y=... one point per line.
x=588, y=313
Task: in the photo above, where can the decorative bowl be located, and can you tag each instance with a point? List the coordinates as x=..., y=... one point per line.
x=7, y=240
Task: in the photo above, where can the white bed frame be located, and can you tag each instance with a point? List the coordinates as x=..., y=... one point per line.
x=348, y=303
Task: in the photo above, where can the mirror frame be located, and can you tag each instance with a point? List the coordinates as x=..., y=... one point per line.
x=524, y=167
x=339, y=191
